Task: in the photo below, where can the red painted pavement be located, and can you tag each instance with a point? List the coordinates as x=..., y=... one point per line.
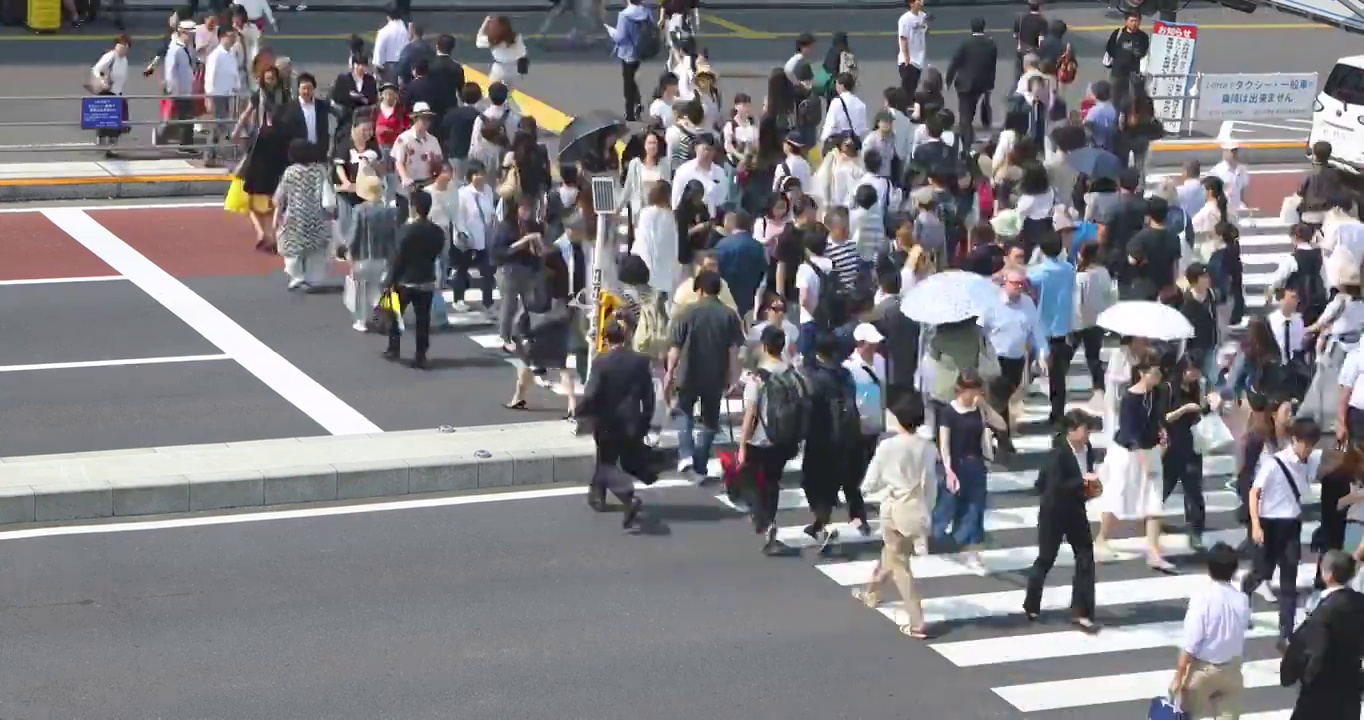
x=32, y=248
x=190, y=242
x=1268, y=191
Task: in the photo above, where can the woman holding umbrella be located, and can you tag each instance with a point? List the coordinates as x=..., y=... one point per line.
x=1132, y=472
x=948, y=305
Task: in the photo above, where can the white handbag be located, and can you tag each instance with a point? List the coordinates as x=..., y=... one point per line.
x=1288, y=211
x=1211, y=434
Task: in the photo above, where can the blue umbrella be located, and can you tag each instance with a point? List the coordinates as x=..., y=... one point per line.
x=1095, y=163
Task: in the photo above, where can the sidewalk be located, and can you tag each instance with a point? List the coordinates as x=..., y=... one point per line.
x=138, y=179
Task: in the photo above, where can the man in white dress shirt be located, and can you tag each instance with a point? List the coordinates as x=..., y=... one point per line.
x=178, y=81
x=1350, y=411
x=704, y=170
x=389, y=44
x=1235, y=177
x=222, y=83
x=847, y=113
x=1208, y=679
x=1190, y=194
x=1276, y=503
x=1287, y=325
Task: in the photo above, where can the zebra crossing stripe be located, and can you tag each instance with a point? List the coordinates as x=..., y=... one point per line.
x=978, y=606
x=1076, y=643
x=1084, y=692
x=1013, y=559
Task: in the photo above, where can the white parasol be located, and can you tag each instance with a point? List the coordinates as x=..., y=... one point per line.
x=1145, y=319
x=950, y=296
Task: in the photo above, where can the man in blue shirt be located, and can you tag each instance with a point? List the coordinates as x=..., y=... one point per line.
x=1053, y=280
x=1014, y=333
x=742, y=260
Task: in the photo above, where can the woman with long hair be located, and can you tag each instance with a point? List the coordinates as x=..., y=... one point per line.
x=658, y=240
x=694, y=224
x=1137, y=128
x=645, y=172
x=302, y=222
x=1209, y=218
x=545, y=338
x=1257, y=367
x=268, y=156
x=1266, y=433
x=706, y=90
x=1342, y=503
x=507, y=48
x=1036, y=201
x=928, y=100
x=838, y=174
x=530, y=158
x=776, y=216
x=781, y=100
x=740, y=133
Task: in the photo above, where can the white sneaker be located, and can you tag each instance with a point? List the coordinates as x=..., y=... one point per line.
x=684, y=465
x=359, y=326
x=460, y=306
x=975, y=564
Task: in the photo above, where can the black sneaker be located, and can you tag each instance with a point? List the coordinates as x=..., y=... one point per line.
x=631, y=519
x=391, y=354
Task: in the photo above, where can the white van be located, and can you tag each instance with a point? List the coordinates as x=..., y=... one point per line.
x=1338, y=114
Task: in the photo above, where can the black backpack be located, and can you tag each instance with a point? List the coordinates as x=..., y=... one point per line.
x=1307, y=281
x=648, y=43
x=831, y=307
x=786, y=406
x=845, y=421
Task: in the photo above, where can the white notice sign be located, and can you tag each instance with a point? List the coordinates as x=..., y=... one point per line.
x=1170, y=69
x=1256, y=97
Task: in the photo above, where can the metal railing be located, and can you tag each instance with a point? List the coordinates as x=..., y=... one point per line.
x=1175, y=108
x=169, y=130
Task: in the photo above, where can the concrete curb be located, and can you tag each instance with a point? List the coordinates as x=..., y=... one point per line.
x=1163, y=155
x=156, y=481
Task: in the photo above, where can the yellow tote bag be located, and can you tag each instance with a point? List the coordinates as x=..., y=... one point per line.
x=237, y=201
x=390, y=303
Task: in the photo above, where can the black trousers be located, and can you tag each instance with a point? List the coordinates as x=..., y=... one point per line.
x=1056, y=522
x=634, y=104
x=1186, y=468
x=611, y=448
x=824, y=471
x=1004, y=386
x=761, y=477
x=420, y=302
x=1282, y=549
x=967, y=105
x=1059, y=353
x=909, y=78
x=1092, y=340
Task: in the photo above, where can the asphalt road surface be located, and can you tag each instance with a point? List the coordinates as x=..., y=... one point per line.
x=743, y=46
x=534, y=608
x=99, y=359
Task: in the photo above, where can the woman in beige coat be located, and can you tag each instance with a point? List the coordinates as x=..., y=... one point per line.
x=903, y=473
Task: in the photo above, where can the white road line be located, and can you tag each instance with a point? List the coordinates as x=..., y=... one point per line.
x=1271, y=126
x=313, y=512
x=292, y=384
x=149, y=206
x=62, y=281
x=1084, y=692
x=127, y=362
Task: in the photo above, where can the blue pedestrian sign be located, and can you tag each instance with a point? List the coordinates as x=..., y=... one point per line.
x=104, y=112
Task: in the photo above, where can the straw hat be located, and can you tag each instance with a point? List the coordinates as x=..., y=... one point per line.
x=703, y=68
x=369, y=187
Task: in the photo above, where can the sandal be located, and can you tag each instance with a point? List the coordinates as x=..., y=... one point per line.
x=518, y=405
x=918, y=633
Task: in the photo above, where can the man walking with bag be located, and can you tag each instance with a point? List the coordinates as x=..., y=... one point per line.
x=620, y=399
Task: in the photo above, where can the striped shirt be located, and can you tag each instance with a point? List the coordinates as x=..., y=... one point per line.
x=846, y=262
x=868, y=232
x=681, y=146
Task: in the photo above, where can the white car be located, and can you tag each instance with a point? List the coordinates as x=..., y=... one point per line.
x=1338, y=114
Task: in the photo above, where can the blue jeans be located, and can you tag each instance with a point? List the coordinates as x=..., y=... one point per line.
x=697, y=448
x=805, y=344
x=965, y=510
x=440, y=311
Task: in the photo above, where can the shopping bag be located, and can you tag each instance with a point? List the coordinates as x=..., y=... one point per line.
x=237, y=201
x=386, y=313
x=350, y=293
x=1211, y=434
x=729, y=471
x=1288, y=211
x=1163, y=708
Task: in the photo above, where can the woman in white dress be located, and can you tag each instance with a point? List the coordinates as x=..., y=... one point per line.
x=508, y=50
x=838, y=175
x=656, y=240
x=1132, y=473
x=1216, y=210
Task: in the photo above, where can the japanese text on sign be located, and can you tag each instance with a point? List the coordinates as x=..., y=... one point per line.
x=102, y=113
x=1170, y=67
x=1256, y=97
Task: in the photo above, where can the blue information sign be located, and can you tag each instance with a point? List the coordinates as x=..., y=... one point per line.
x=102, y=113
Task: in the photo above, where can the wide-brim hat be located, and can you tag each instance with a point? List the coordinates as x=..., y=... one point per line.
x=187, y=25
x=368, y=186
x=420, y=109
x=704, y=68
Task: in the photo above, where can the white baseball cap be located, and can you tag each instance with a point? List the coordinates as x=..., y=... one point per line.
x=867, y=333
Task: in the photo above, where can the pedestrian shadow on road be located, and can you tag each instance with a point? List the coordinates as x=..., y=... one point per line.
x=442, y=364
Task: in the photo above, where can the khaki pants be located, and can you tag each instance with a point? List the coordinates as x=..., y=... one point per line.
x=1214, y=691
x=895, y=565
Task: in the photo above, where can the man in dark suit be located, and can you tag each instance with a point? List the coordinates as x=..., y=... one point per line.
x=353, y=90
x=972, y=74
x=416, y=48
x=423, y=89
x=308, y=117
x=1323, y=654
x=901, y=346
x=620, y=400
x=446, y=74
x=1064, y=482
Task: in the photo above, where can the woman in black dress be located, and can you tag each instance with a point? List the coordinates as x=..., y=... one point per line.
x=693, y=224
x=268, y=156
x=544, y=344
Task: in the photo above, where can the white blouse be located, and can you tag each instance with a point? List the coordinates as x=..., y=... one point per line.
x=505, y=56
x=835, y=180
x=656, y=244
x=740, y=137
x=111, y=71
x=475, y=215
x=640, y=180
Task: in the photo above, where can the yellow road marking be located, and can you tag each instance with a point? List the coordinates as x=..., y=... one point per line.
x=739, y=31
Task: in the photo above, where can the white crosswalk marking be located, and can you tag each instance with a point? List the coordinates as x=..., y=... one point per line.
x=1115, y=673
